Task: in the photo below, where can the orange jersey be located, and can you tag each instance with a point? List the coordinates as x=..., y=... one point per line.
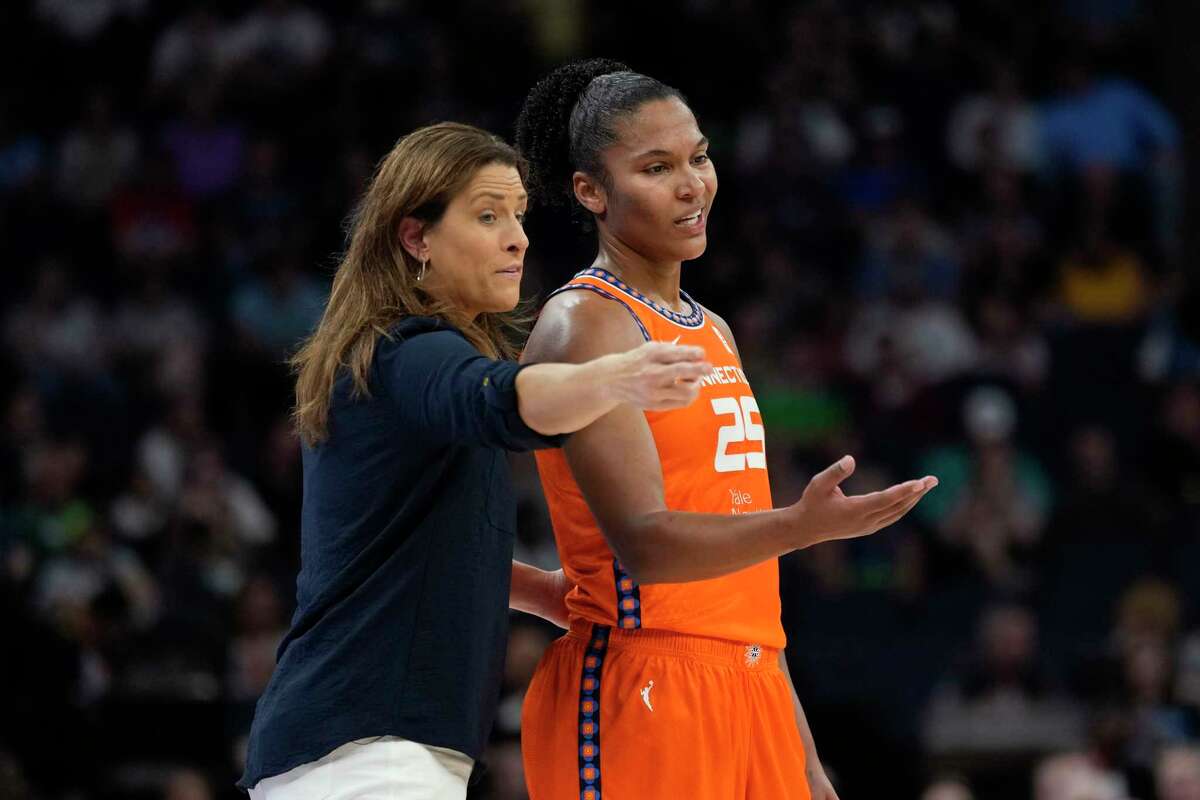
x=713, y=462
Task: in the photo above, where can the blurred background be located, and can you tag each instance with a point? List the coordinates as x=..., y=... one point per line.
x=952, y=238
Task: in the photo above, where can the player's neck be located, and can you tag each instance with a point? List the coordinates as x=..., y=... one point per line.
x=657, y=280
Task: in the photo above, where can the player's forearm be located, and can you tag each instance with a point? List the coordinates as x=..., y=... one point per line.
x=678, y=547
x=562, y=398
x=810, y=746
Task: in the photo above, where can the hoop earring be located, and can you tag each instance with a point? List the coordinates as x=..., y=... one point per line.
x=421, y=274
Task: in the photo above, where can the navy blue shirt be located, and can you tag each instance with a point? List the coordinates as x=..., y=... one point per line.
x=406, y=556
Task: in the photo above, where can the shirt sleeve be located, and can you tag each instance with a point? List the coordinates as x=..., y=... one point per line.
x=454, y=394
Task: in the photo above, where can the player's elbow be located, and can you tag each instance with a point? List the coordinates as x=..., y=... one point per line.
x=633, y=543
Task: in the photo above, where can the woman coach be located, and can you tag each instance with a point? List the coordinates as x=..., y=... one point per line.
x=407, y=396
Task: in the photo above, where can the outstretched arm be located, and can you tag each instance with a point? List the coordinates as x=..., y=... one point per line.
x=562, y=398
x=615, y=463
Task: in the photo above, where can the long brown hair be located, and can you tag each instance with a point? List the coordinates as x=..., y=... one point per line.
x=376, y=282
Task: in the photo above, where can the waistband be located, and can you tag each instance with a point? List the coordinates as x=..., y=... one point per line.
x=746, y=656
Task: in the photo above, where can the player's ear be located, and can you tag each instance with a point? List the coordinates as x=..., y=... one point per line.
x=590, y=193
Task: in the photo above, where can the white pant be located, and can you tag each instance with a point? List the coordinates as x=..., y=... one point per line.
x=385, y=767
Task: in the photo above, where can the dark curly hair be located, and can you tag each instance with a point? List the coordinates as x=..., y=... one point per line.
x=570, y=116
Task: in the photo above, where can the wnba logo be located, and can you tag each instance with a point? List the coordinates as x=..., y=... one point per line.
x=753, y=653
x=721, y=336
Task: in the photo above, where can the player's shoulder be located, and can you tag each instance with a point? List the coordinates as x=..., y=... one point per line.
x=717, y=319
x=576, y=324
x=720, y=324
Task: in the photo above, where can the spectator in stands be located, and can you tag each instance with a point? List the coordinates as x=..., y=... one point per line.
x=259, y=626
x=155, y=319
x=58, y=333
x=907, y=248
x=1177, y=775
x=884, y=173
x=1109, y=123
x=1174, y=451
x=998, y=494
x=23, y=434
x=13, y=784
x=1101, y=282
x=1074, y=776
x=187, y=784
x=1113, y=137
x=947, y=789
x=1002, y=700
x=207, y=147
x=907, y=341
x=995, y=129
x=1003, y=239
x=1153, y=719
x=228, y=507
x=267, y=203
x=1101, y=501
x=280, y=34
x=194, y=47
x=152, y=221
x=1011, y=347
x=275, y=312
x=22, y=152
x=96, y=157
x=164, y=450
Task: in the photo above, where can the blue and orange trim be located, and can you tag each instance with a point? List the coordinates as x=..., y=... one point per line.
x=629, y=598
x=694, y=319
x=589, y=713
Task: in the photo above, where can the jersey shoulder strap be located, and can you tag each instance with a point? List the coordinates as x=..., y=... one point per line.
x=591, y=287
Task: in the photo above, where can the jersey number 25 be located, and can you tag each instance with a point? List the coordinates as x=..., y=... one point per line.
x=743, y=429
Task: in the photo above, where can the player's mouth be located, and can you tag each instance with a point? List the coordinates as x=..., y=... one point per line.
x=693, y=222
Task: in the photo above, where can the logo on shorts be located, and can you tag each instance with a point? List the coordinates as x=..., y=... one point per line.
x=753, y=653
x=646, y=694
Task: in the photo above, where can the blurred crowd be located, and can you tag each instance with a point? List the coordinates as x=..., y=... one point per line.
x=949, y=241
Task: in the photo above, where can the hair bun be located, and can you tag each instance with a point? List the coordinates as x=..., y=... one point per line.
x=543, y=126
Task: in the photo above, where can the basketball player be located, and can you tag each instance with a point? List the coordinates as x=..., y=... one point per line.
x=671, y=681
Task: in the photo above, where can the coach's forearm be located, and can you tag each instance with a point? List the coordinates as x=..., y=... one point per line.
x=678, y=546
x=562, y=398
x=530, y=590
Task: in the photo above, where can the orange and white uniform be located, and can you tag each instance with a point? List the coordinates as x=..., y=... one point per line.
x=681, y=681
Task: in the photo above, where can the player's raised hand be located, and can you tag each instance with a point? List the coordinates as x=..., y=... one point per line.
x=658, y=375
x=825, y=513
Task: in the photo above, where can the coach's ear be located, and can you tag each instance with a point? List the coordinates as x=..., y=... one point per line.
x=590, y=193
x=412, y=238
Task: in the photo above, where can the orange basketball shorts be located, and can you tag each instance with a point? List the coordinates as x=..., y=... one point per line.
x=646, y=715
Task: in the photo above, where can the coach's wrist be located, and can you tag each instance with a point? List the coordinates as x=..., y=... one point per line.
x=555, y=587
